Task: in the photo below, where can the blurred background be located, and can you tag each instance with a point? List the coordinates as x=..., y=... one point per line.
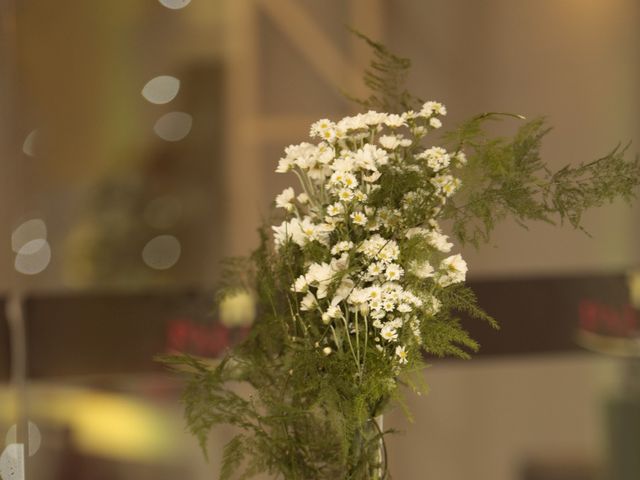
x=138, y=142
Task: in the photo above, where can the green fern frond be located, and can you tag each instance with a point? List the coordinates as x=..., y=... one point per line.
x=386, y=79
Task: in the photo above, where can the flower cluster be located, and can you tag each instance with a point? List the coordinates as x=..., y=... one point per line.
x=370, y=198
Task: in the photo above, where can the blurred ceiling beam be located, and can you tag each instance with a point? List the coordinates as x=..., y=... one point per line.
x=367, y=17
x=243, y=86
x=276, y=127
x=249, y=129
x=326, y=58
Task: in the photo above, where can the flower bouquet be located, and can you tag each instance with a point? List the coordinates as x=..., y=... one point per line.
x=356, y=279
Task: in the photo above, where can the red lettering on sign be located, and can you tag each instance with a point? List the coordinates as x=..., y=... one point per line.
x=185, y=335
x=597, y=317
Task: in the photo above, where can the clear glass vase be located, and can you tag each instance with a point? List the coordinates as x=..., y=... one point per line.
x=368, y=452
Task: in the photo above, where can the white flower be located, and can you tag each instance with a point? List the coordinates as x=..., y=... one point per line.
x=451, y=187
x=389, y=252
x=319, y=126
x=461, y=158
x=288, y=231
x=388, y=305
x=378, y=247
x=394, y=121
x=401, y=353
x=373, y=118
x=375, y=304
x=320, y=275
x=390, y=142
x=327, y=350
x=337, y=177
x=325, y=153
x=370, y=157
x=415, y=231
x=396, y=322
x=284, y=165
x=374, y=292
x=325, y=129
x=393, y=272
x=433, y=305
x=372, y=177
x=345, y=195
x=284, y=199
x=335, y=209
x=303, y=155
x=344, y=164
x=439, y=241
x=435, y=122
x=309, y=302
x=430, y=108
x=439, y=181
x=353, y=123
x=375, y=269
x=343, y=291
x=437, y=158
x=300, y=285
x=358, y=296
x=333, y=311
x=358, y=218
x=329, y=135
x=404, y=308
x=349, y=180
x=308, y=229
x=422, y=269
x=419, y=131
x=392, y=290
x=389, y=333
x=339, y=265
x=409, y=297
x=453, y=269
x=415, y=328
x=303, y=198
x=360, y=196
x=343, y=246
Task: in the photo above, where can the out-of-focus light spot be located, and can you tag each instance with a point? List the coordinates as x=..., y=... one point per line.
x=34, y=229
x=173, y=126
x=161, y=252
x=33, y=257
x=175, y=4
x=237, y=310
x=163, y=212
x=29, y=145
x=34, y=437
x=162, y=89
x=12, y=462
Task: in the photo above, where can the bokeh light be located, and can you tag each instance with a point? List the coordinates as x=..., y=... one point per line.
x=34, y=437
x=33, y=257
x=161, y=89
x=27, y=232
x=175, y=4
x=29, y=145
x=237, y=309
x=162, y=252
x=12, y=462
x=173, y=126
